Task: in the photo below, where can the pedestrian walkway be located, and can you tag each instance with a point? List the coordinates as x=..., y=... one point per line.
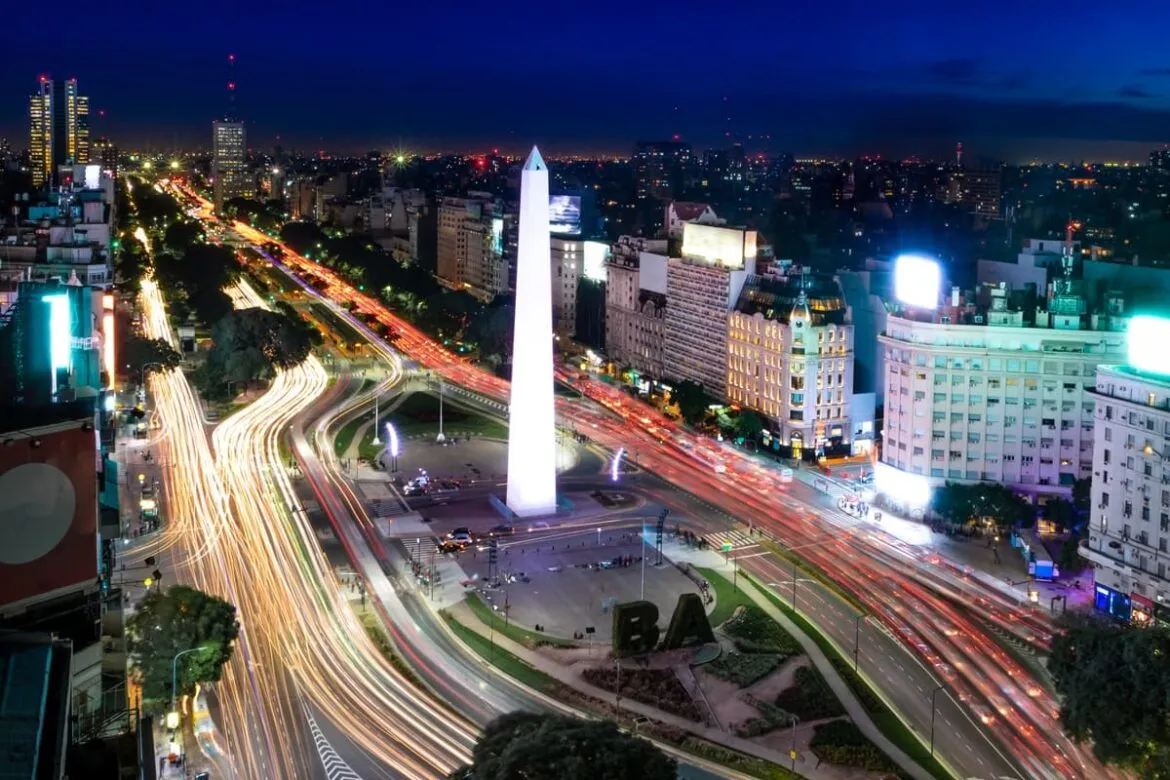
x=422, y=549
x=807, y=764
x=738, y=540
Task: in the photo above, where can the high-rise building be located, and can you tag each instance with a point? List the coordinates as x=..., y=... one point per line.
x=105, y=154
x=1129, y=511
x=473, y=244
x=790, y=358
x=229, y=162
x=998, y=391
x=661, y=168
x=635, y=305
x=532, y=488
x=702, y=287
x=58, y=122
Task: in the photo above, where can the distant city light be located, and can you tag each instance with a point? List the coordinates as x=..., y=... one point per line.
x=1146, y=343
x=917, y=281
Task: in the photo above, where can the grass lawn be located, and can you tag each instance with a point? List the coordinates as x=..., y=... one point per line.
x=726, y=599
x=501, y=659
x=345, y=436
x=883, y=717
x=531, y=639
x=418, y=417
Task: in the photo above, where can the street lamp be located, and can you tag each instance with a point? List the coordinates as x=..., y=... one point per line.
x=933, y=694
x=376, y=442
x=142, y=372
x=173, y=720
x=392, y=446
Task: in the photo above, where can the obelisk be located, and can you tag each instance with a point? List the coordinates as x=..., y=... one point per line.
x=532, y=476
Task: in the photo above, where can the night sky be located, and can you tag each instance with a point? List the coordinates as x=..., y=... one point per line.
x=1072, y=79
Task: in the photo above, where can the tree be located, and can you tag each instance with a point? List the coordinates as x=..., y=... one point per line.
x=492, y=330
x=181, y=236
x=980, y=504
x=749, y=425
x=250, y=343
x=691, y=400
x=1114, y=684
x=544, y=747
x=139, y=353
x=174, y=620
x=1062, y=513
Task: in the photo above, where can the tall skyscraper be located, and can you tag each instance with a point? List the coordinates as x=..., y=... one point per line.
x=228, y=164
x=532, y=483
x=58, y=128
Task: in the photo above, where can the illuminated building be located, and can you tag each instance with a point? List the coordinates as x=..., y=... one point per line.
x=228, y=163
x=105, y=154
x=662, y=170
x=58, y=342
x=702, y=287
x=790, y=358
x=573, y=260
x=531, y=432
x=1129, y=513
x=998, y=390
x=474, y=242
x=58, y=122
x=635, y=305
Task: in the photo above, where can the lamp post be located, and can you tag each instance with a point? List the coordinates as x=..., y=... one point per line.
x=173, y=720
x=376, y=442
x=856, y=639
x=933, y=694
x=440, y=438
x=393, y=446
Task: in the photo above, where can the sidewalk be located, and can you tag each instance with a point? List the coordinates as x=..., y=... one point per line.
x=806, y=763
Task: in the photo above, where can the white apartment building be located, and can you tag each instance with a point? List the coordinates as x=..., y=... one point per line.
x=790, y=358
x=994, y=399
x=702, y=288
x=1129, y=531
x=568, y=262
x=635, y=304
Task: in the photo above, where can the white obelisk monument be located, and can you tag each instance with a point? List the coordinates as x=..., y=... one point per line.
x=532, y=476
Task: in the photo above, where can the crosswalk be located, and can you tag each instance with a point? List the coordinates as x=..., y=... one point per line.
x=739, y=540
x=421, y=548
x=382, y=508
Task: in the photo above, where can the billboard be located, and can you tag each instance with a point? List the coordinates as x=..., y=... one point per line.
x=1145, y=341
x=727, y=246
x=48, y=511
x=917, y=281
x=596, y=253
x=564, y=214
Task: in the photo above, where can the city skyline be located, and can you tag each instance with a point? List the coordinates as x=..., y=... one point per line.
x=915, y=81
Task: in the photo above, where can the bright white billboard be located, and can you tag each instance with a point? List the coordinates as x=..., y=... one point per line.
x=726, y=246
x=596, y=253
x=1146, y=341
x=917, y=281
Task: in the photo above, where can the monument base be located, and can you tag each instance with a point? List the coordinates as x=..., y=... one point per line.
x=562, y=506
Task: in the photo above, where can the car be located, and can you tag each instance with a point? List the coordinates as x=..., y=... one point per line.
x=501, y=530
x=450, y=545
x=460, y=536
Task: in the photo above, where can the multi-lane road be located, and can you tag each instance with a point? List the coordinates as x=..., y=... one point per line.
x=921, y=609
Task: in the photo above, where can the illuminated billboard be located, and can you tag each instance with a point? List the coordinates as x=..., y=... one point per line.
x=596, y=253
x=913, y=490
x=1145, y=344
x=564, y=214
x=726, y=246
x=917, y=281
x=109, y=363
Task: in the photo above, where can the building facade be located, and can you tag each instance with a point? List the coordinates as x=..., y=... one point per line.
x=1129, y=534
x=229, y=151
x=702, y=287
x=568, y=261
x=790, y=358
x=635, y=305
x=995, y=396
x=58, y=122
x=473, y=245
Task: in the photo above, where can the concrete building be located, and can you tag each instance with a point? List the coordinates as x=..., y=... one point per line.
x=1000, y=392
x=1129, y=533
x=790, y=358
x=229, y=151
x=58, y=126
x=473, y=245
x=702, y=287
x=635, y=305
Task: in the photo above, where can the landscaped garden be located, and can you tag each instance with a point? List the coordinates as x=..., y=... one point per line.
x=659, y=688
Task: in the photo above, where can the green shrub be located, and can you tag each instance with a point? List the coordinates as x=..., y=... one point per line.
x=656, y=687
x=744, y=669
x=771, y=717
x=810, y=697
x=756, y=767
x=840, y=742
x=755, y=632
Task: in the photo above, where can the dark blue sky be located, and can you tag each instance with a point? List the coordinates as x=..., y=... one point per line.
x=1071, y=79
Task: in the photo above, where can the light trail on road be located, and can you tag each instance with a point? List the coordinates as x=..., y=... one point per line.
x=300, y=641
x=999, y=691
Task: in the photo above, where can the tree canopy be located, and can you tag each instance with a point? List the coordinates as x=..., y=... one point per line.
x=200, y=273
x=691, y=400
x=557, y=747
x=1114, y=684
x=249, y=344
x=962, y=504
x=139, y=353
x=749, y=425
x=174, y=620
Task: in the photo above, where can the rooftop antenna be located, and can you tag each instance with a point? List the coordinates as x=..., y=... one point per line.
x=231, y=85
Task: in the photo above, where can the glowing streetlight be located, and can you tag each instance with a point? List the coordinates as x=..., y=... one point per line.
x=174, y=165
x=617, y=461
x=147, y=165
x=392, y=445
